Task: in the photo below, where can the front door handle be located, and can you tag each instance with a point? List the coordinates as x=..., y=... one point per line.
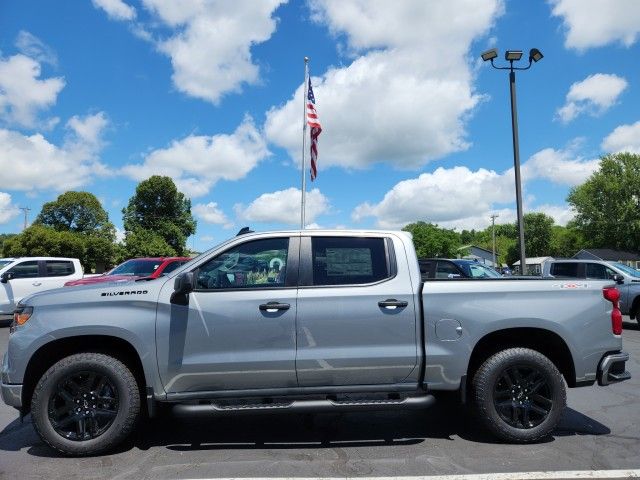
x=272, y=307
x=392, y=303
x=36, y=284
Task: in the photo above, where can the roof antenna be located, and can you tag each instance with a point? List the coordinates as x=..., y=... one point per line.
x=244, y=231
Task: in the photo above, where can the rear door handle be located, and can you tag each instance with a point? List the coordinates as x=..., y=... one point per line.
x=392, y=303
x=36, y=284
x=272, y=307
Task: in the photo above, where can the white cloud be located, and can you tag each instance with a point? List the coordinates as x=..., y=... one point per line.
x=22, y=94
x=116, y=9
x=120, y=235
x=33, y=47
x=283, y=206
x=441, y=196
x=593, y=95
x=595, y=23
x=558, y=166
x=461, y=198
x=37, y=164
x=624, y=138
x=210, y=43
x=7, y=209
x=212, y=213
x=197, y=162
x=562, y=214
x=394, y=103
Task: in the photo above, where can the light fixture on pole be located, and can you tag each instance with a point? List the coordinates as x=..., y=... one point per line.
x=511, y=56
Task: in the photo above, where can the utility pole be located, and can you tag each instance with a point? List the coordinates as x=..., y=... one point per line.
x=493, y=233
x=26, y=211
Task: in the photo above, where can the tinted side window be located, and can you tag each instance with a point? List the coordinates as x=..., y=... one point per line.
x=447, y=270
x=348, y=260
x=28, y=269
x=564, y=270
x=59, y=268
x=257, y=264
x=171, y=267
x=425, y=267
x=595, y=270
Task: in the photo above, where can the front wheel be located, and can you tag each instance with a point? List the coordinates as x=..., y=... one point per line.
x=519, y=395
x=85, y=404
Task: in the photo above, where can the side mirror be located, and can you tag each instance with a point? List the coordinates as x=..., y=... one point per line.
x=619, y=279
x=184, y=283
x=6, y=276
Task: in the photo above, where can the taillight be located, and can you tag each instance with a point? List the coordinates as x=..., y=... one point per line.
x=613, y=295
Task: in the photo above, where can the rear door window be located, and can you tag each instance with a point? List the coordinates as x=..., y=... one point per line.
x=565, y=270
x=447, y=270
x=348, y=260
x=59, y=268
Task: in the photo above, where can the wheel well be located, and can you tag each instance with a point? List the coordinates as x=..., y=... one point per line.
x=546, y=342
x=56, y=350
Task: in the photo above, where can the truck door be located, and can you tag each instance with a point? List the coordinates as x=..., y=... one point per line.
x=238, y=330
x=356, y=314
x=25, y=280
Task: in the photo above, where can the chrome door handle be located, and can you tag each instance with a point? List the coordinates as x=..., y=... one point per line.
x=272, y=307
x=392, y=303
x=36, y=284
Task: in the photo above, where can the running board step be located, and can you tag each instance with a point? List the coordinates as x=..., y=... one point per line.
x=306, y=406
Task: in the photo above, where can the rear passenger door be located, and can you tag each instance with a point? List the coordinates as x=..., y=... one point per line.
x=356, y=320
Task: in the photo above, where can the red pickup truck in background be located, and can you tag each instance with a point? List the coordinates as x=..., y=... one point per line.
x=133, y=269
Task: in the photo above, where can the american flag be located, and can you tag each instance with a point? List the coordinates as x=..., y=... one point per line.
x=315, y=130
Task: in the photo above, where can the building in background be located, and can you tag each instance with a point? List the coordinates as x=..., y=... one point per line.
x=610, y=255
x=479, y=254
x=534, y=265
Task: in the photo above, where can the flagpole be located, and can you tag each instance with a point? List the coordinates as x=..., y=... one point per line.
x=304, y=134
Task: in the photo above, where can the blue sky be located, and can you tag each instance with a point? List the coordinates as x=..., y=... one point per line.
x=98, y=95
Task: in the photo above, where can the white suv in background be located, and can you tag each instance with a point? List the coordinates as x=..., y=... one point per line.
x=20, y=277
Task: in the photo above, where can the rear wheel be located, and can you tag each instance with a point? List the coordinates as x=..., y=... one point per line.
x=85, y=404
x=519, y=395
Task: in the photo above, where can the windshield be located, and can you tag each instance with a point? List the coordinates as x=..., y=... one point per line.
x=626, y=269
x=4, y=263
x=139, y=268
x=478, y=270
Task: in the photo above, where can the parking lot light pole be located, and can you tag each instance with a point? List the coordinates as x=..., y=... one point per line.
x=513, y=56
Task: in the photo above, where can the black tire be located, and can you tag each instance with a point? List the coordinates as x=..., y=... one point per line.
x=518, y=394
x=73, y=382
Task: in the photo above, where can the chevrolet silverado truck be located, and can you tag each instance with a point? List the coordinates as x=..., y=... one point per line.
x=306, y=321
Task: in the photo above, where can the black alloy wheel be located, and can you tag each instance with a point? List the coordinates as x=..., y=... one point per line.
x=83, y=405
x=522, y=396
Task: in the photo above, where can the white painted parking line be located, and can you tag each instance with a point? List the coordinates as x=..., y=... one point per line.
x=557, y=475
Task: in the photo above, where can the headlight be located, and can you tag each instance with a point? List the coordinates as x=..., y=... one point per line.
x=21, y=315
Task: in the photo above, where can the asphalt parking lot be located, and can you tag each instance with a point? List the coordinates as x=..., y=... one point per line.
x=600, y=430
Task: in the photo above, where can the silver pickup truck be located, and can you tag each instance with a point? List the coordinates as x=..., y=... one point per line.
x=306, y=321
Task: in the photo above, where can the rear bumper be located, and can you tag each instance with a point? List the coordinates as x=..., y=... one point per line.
x=612, y=368
x=11, y=394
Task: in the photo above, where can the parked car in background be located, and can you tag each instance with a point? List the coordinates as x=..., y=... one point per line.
x=134, y=269
x=455, y=268
x=628, y=279
x=23, y=276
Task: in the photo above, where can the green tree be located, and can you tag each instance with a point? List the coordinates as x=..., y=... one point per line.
x=79, y=212
x=146, y=243
x=607, y=205
x=38, y=240
x=433, y=241
x=565, y=241
x=537, y=237
x=3, y=238
x=158, y=207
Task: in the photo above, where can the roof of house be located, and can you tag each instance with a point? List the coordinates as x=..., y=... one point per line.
x=479, y=248
x=610, y=254
x=534, y=260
